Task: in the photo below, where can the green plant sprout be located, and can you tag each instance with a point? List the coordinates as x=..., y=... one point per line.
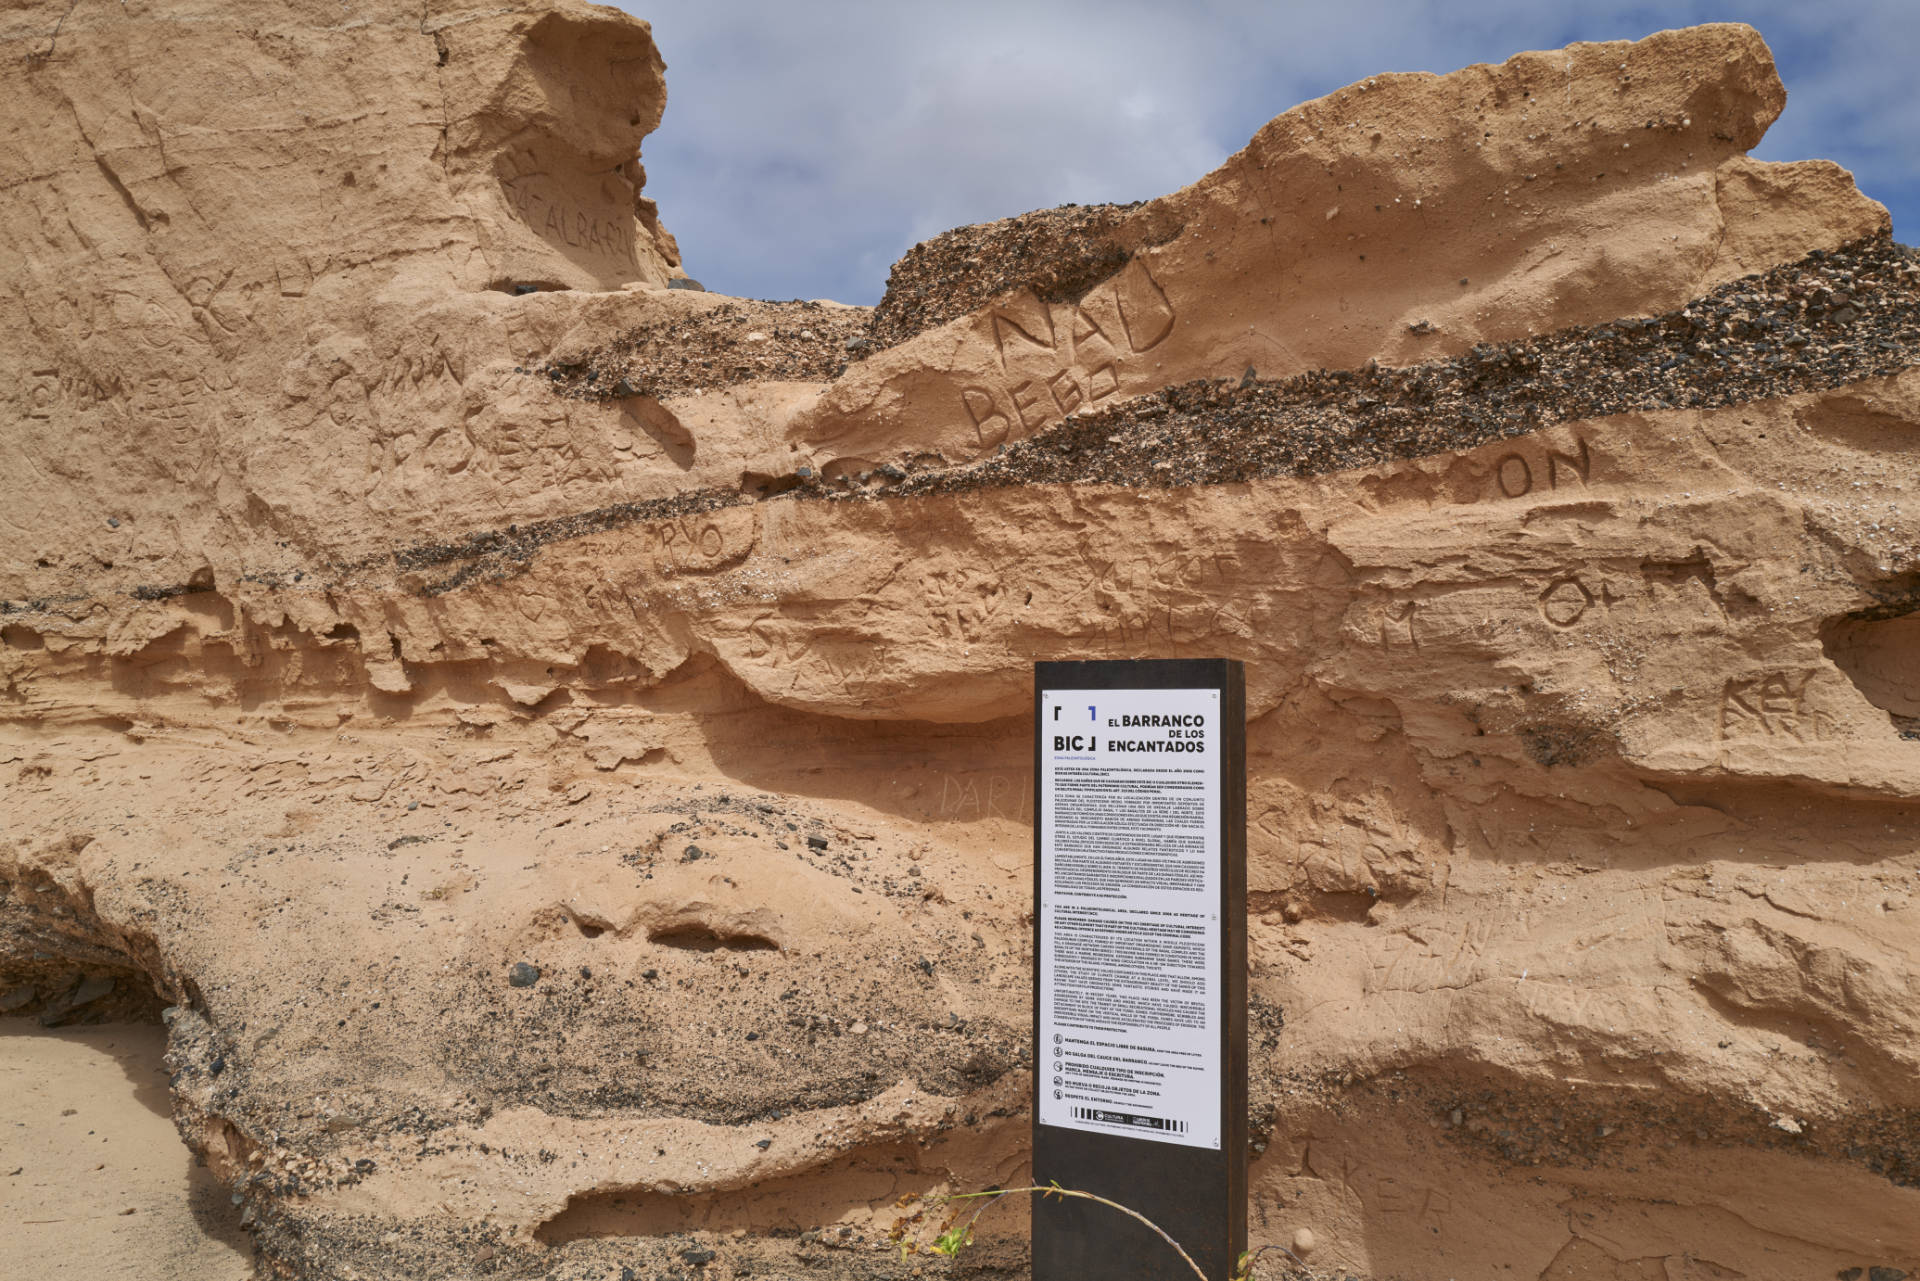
x=959, y=1236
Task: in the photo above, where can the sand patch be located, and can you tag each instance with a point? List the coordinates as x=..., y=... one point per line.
x=94, y=1181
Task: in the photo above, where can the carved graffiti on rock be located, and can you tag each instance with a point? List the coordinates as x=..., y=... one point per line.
x=703, y=544
x=966, y=797
x=1571, y=596
x=562, y=220
x=1056, y=358
x=1516, y=474
x=1396, y=623
x=964, y=602
x=1389, y=1194
x=1773, y=705
x=1566, y=601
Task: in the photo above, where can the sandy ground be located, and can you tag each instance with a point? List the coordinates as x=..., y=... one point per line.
x=94, y=1181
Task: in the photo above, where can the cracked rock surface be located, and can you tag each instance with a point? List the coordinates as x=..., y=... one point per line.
x=553, y=747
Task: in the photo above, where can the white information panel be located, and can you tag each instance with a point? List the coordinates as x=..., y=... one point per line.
x=1130, y=913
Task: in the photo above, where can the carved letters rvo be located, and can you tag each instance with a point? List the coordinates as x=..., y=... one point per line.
x=1055, y=358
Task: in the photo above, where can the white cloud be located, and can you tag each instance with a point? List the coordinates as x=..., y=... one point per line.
x=805, y=146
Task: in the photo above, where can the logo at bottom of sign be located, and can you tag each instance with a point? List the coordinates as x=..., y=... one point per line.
x=1105, y=1117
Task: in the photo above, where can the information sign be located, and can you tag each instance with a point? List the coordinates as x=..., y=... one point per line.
x=1140, y=963
x=1129, y=981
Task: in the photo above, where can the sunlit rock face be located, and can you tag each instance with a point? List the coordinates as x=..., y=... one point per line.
x=557, y=744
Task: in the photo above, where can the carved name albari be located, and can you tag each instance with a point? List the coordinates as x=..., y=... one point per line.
x=529, y=193
x=1057, y=357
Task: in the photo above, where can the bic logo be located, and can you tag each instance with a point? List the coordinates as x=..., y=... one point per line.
x=1075, y=742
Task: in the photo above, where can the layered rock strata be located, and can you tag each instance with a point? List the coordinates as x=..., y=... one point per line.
x=559, y=756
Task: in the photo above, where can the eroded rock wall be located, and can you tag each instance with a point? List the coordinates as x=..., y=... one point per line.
x=561, y=756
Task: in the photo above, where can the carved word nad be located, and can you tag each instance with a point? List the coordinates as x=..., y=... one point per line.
x=1055, y=358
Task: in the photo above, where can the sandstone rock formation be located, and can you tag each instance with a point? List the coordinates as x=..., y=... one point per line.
x=559, y=754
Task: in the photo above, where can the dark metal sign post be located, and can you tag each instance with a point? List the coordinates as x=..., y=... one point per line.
x=1140, y=966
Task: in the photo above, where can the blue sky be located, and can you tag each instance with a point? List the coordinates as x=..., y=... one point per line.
x=807, y=145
